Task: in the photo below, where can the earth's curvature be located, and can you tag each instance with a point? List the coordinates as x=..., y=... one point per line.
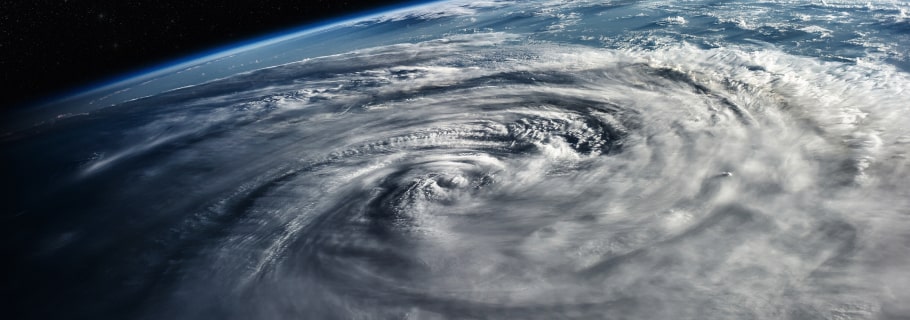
x=488, y=159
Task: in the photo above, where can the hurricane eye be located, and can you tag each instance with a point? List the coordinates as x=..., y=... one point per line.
x=473, y=159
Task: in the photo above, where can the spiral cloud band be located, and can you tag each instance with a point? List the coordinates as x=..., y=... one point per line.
x=486, y=176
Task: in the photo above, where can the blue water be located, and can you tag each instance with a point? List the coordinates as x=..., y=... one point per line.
x=488, y=159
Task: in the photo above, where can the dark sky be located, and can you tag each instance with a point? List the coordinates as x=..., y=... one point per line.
x=48, y=47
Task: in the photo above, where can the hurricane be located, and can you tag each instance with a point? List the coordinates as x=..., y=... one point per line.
x=484, y=174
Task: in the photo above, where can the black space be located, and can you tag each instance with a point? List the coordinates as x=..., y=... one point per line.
x=48, y=47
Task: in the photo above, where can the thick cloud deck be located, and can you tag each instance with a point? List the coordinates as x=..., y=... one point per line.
x=482, y=175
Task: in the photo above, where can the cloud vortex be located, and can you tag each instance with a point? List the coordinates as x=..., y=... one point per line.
x=480, y=176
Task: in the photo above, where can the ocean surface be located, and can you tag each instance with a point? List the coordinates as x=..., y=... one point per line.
x=484, y=159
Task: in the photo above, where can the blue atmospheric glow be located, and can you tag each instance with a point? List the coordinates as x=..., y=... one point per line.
x=487, y=159
x=233, y=48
